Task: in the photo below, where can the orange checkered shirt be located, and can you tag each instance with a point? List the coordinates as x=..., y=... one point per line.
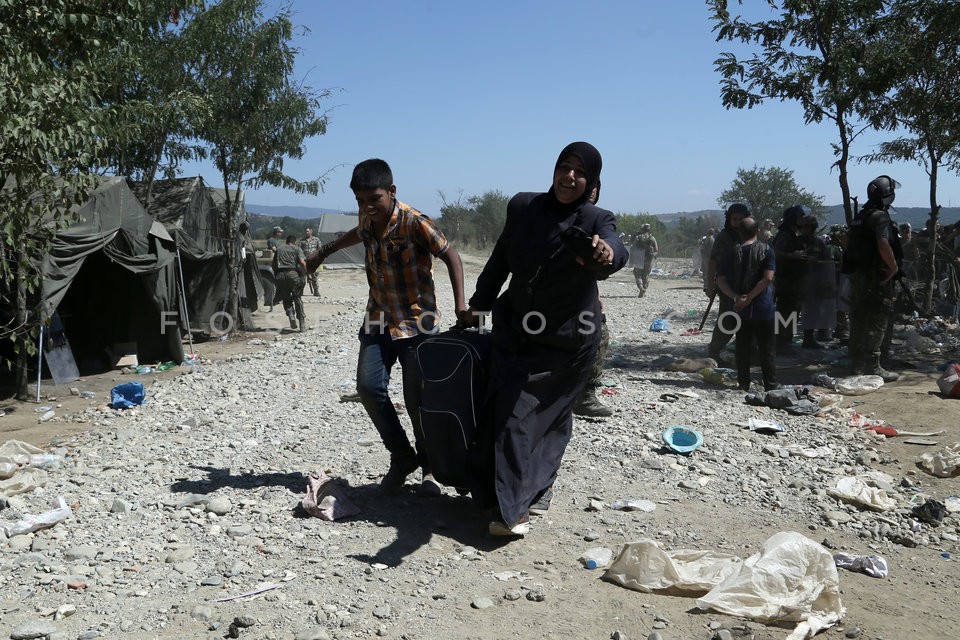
x=400, y=273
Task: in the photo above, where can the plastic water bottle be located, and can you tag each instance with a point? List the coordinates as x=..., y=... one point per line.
x=44, y=460
x=596, y=557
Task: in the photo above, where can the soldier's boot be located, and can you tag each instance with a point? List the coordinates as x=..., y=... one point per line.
x=292, y=318
x=873, y=368
x=589, y=405
x=302, y=322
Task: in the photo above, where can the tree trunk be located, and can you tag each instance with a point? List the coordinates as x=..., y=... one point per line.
x=22, y=335
x=842, y=167
x=934, y=218
x=230, y=254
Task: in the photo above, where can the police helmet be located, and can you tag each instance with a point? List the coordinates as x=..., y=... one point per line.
x=882, y=189
x=737, y=207
x=645, y=227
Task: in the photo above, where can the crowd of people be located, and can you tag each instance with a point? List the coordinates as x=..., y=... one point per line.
x=548, y=333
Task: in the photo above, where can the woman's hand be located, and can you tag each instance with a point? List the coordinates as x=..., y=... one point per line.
x=602, y=252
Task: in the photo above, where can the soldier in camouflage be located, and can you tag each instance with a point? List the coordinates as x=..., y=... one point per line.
x=310, y=245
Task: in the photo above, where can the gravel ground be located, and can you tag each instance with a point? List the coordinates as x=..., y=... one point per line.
x=185, y=504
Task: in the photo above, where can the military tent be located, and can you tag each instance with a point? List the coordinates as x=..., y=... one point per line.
x=110, y=278
x=331, y=227
x=192, y=213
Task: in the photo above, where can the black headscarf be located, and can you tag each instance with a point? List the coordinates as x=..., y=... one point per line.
x=592, y=164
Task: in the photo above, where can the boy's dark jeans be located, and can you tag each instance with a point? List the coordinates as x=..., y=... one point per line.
x=378, y=354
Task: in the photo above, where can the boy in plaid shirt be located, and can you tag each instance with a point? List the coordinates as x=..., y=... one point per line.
x=401, y=311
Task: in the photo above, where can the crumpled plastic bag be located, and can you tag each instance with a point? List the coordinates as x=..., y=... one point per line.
x=792, y=579
x=873, y=566
x=858, y=385
x=128, y=394
x=30, y=522
x=944, y=463
x=949, y=382
x=660, y=325
x=326, y=500
x=857, y=491
x=644, y=566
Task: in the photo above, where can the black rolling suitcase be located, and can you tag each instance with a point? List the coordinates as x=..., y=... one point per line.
x=453, y=375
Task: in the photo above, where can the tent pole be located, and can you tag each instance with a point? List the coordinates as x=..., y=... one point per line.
x=39, y=363
x=183, y=303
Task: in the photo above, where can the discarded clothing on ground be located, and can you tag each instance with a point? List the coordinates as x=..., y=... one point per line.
x=796, y=400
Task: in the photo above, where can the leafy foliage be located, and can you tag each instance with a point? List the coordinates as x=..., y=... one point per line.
x=257, y=115
x=767, y=191
x=813, y=53
x=53, y=123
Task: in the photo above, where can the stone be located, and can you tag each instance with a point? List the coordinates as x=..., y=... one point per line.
x=202, y=612
x=512, y=595
x=82, y=552
x=852, y=633
x=179, y=554
x=120, y=506
x=33, y=629
x=381, y=612
x=314, y=633
x=481, y=603
x=220, y=505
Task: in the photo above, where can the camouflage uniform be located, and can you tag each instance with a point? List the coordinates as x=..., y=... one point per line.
x=646, y=245
x=872, y=303
x=588, y=404
x=286, y=268
x=310, y=246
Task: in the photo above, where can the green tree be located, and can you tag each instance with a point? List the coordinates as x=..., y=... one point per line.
x=476, y=222
x=917, y=52
x=258, y=115
x=158, y=101
x=812, y=53
x=630, y=223
x=53, y=123
x=767, y=191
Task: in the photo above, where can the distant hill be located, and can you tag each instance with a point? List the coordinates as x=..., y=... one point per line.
x=303, y=213
x=263, y=218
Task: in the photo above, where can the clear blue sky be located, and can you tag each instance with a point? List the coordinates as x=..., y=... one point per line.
x=467, y=97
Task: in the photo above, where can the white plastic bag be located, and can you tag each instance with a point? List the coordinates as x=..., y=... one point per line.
x=858, y=385
x=644, y=566
x=31, y=522
x=792, y=579
x=943, y=463
x=856, y=491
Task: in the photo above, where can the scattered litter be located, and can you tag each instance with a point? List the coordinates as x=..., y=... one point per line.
x=932, y=512
x=660, y=324
x=690, y=365
x=824, y=380
x=326, y=500
x=858, y=385
x=712, y=375
x=633, y=504
x=861, y=420
x=873, y=566
x=30, y=523
x=952, y=504
x=691, y=332
x=596, y=557
x=792, y=579
x=921, y=441
x=608, y=391
x=890, y=432
x=949, y=382
x=765, y=426
x=128, y=394
x=260, y=588
x=943, y=463
x=503, y=576
x=682, y=440
x=856, y=491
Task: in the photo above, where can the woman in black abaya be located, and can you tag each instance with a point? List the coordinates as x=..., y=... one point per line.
x=546, y=327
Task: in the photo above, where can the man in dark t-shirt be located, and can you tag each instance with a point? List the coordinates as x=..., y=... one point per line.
x=745, y=277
